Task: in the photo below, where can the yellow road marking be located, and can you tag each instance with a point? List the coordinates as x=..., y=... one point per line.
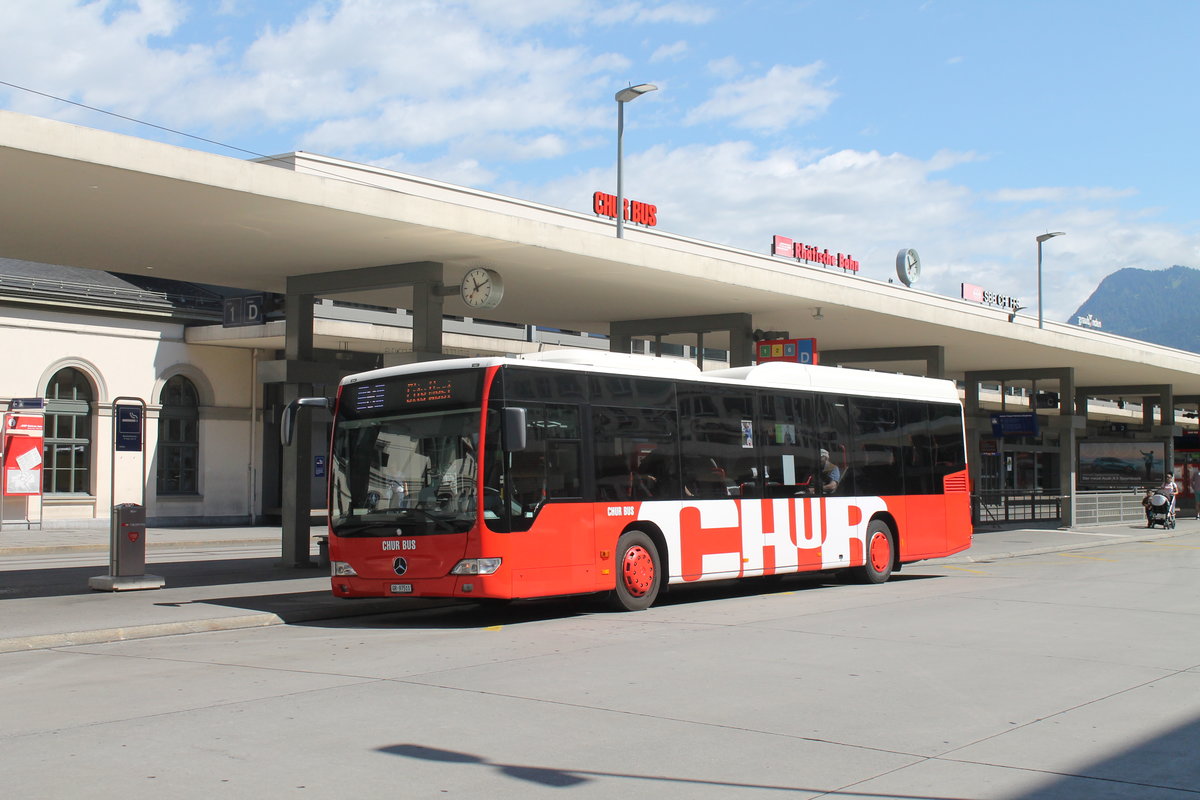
x=1089, y=558
x=964, y=569
x=493, y=627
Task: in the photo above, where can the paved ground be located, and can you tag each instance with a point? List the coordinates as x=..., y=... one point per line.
x=230, y=578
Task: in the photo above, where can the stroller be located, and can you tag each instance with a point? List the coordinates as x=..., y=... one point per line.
x=1161, y=510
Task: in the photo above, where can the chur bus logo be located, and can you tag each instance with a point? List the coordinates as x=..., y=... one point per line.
x=400, y=565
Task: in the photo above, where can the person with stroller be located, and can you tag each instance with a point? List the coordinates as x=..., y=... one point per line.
x=1169, y=488
x=1160, y=504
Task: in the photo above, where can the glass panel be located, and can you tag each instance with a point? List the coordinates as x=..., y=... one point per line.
x=541, y=385
x=833, y=438
x=179, y=437
x=718, y=441
x=916, y=442
x=616, y=390
x=413, y=471
x=875, y=461
x=789, y=446
x=949, y=451
x=636, y=454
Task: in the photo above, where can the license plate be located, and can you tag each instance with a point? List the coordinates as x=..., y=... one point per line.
x=401, y=588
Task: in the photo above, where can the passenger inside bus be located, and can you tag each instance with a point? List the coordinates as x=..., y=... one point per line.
x=704, y=477
x=830, y=474
x=617, y=480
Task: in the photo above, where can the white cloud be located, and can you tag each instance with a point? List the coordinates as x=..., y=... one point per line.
x=96, y=54
x=785, y=96
x=669, y=52
x=724, y=67
x=1060, y=194
x=871, y=205
x=687, y=13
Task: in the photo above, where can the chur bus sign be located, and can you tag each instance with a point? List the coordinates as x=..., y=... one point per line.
x=638, y=213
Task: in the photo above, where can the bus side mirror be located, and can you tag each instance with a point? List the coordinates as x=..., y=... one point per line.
x=287, y=424
x=514, y=429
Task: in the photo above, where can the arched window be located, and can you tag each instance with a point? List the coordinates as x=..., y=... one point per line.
x=178, y=438
x=68, y=443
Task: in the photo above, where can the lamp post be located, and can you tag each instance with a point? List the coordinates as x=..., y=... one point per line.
x=623, y=97
x=1041, y=239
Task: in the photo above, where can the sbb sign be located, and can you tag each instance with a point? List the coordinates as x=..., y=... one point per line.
x=980, y=295
x=783, y=246
x=635, y=212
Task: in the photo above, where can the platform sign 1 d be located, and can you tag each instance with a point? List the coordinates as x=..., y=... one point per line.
x=797, y=351
x=129, y=428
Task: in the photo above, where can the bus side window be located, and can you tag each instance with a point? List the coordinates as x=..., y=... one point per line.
x=788, y=447
x=916, y=447
x=875, y=462
x=717, y=441
x=635, y=454
x=833, y=436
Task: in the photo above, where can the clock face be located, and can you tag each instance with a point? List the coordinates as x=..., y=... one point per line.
x=908, y=266
x=482, y=288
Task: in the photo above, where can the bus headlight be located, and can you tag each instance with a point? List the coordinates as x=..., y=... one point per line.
x=476, y=566
x=341, y=568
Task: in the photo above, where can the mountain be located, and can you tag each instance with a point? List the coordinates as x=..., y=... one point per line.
x=1159, y=306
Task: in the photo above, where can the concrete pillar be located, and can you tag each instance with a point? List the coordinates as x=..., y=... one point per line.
x=428, y=302
x=297, y=487
x=428, y=292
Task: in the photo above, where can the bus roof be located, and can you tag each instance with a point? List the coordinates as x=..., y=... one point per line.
x=774, y=374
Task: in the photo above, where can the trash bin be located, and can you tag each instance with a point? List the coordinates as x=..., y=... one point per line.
x=127, y=552
x=128, y=540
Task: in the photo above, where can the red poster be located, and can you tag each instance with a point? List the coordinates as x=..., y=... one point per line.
x=23, y=436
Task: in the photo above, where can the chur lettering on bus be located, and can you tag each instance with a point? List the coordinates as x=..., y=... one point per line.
x=720, y=539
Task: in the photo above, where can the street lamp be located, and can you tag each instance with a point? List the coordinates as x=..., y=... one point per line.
x=1041, y=239
x=623, y=97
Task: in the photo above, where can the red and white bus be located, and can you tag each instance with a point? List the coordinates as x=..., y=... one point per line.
x=575, y=472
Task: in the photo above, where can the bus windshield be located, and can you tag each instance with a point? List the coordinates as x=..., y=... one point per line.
x=415, y=472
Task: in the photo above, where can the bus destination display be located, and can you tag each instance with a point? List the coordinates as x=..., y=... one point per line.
x=403, y=393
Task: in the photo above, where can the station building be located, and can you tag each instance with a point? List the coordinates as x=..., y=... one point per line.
x=213, y=290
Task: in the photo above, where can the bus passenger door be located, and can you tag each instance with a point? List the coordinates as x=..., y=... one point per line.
x=553, y=537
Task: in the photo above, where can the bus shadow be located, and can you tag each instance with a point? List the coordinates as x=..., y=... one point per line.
x=467, y=614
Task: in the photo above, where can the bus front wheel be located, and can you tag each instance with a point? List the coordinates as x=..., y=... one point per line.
x=881, y=551
x=639, y=573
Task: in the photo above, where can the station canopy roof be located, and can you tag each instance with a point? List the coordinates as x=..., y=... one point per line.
x=87, y=198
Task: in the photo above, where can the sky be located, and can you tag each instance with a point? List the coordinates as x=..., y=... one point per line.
x=958, y=128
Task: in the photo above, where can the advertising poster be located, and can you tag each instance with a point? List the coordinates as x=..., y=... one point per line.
x=1121, y=465
x=23, y=454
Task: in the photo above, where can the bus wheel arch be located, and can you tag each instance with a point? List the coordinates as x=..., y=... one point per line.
x=638, y=562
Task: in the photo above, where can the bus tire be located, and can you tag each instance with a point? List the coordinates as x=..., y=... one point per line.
x=639, y=573
x=880, y=554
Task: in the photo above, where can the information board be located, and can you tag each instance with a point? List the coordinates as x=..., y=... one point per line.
x=24, y=435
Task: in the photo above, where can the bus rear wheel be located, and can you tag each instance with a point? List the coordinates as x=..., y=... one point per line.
x=881, y=551
x=639, y=573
